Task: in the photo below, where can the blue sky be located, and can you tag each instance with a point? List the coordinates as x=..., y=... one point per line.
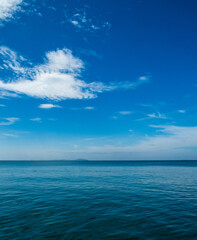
x=101, y=80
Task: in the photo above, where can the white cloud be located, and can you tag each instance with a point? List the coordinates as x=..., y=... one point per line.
x=83, y=108
x=172, y=137
x=8, y=8
x=36, y=119
x=9, y=121
x=6, y=94
x=130, y=130
x=157, y=115
x=2, y=105
x=181, y=111
x=58, y=78
x=130, y=85
x=61, y=60
x=125, y=112
x=48, y=106
x=74, y=22
x=88, y=108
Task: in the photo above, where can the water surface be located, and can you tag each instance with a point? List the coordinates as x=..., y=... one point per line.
x=85, y=200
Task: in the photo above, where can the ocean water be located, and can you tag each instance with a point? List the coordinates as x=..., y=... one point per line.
x=85, y=200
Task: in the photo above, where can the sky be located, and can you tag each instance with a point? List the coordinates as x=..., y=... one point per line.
x=98, y=80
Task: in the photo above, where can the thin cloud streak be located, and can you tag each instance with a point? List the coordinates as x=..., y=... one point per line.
x=49, y=106
x=9, y=121
x=36, y=119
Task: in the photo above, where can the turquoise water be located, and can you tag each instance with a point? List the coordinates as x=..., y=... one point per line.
x=85, y=200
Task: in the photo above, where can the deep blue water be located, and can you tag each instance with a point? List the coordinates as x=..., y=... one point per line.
x=85, y=200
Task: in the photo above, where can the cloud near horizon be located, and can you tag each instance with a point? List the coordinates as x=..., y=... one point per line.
x=169, y=142
x=58, y=78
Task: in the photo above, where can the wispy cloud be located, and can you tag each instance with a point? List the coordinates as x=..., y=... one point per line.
x=36, y=119
x=58, y=78
x=81, y=20
x=117, y=114
x=131, y=85
x=173, y=142
x=48, y=106
x=11, y=62
x=89, y=108
x=83, y=108
x=9, y=121
x=173, y=137
x=9, y=135
x=2, y=105
x=8, y=8
x=157, y=115
x=125, y=112
x=181, y=111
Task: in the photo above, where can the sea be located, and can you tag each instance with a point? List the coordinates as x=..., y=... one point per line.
x=98, y=200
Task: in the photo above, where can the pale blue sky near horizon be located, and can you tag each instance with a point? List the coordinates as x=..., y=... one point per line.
x=100, y=80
